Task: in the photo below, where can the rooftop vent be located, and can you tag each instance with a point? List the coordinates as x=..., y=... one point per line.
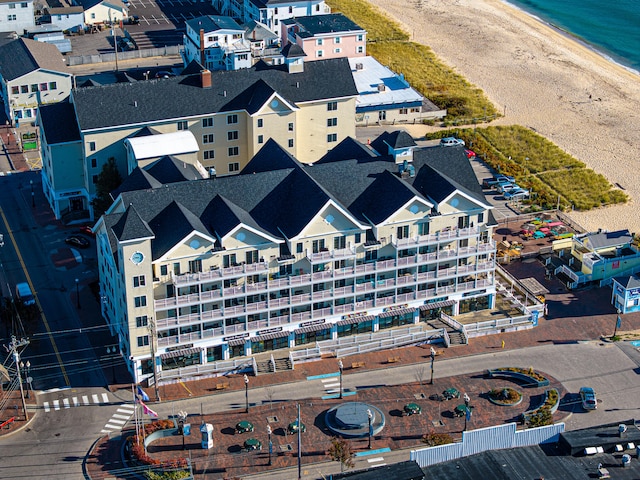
x=359, y=66
x=381, y=87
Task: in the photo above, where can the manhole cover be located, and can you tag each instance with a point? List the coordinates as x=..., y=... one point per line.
x=437, y=423
x=272, y=419
x=286, y=448
x=419, y=396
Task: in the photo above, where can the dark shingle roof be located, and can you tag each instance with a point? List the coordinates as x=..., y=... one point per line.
x=629, y=281
x=131, y=226
x=321, y=24
x=292, y=50
x=395, y=140
x=347, y=148
x=23, y=56
x=270, y=157
x=211, y=23
x=59, y=123
x=180, y=97
x=171, y=225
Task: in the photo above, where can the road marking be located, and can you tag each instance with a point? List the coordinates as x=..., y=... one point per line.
x=105, y=398
x=326, y=375
x=46, y=407
x=115, y=420
x=377, y=459
x=372, y=452
x=85, y=399
x=125, y=417
x=56, y=404
x=75, y=401
x=337, y=395
x=331, y=385
x=65, y=402
x=95, y=398
x=115, y=427
x=126, y=410
x=332, y=390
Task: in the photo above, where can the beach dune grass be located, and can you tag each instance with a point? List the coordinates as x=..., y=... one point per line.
x=554, y=176
x=388, y=43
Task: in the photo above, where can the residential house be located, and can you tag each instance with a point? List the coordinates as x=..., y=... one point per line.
x=199, y=276
x=16, y=16
x=386, y=97
x=52, y=34
x=68, y=18
x=272, y=12
x=325, y=36
x=264, y=43
x=306, y=109
x=625, y=295
x=217, y=43
x=103, y=11
x=31, y=74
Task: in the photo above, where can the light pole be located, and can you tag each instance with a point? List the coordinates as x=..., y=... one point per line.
x=33, y=196
x=182, y=417
x=270, y=443
x=246, y=393
x=466, y=400
x=433, y=357
x=370, y=415
x=112, y=350
x=618, y=324
x=25, y=372
x=78, y=293
x=341, y=367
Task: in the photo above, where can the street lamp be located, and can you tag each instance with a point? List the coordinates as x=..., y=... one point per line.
x=246, y=393
x=433, y=357
x=618, y=323
x=25, y=368
x=29, y=379
x=466, y=400
x=370, y=415
x=182, y=417
x=33, y=197
x=112, y=350
x=78, y=293
x=270, y=443
x=341, y=367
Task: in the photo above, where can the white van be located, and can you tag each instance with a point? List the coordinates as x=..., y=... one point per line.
x=23, y=292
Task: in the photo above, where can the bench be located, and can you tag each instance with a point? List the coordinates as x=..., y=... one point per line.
x=357, y=364
x=222, y=386
x=393, y=359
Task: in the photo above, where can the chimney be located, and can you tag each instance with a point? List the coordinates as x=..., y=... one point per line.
x=205, y=78
x=202, y=59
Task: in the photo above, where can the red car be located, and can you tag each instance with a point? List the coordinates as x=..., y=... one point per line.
x=470, y=153
x=86, y=229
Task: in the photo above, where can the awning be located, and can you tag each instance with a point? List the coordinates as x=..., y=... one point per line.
x=352, y=320
x=435, y=305
x=237, y=342
x=313, y=328
x=181, y=353
x=269, y=336
x=397, y=311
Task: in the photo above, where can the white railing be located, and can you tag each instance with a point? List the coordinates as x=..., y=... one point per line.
x=211, y=369
x=457, y=326
x=498, y=325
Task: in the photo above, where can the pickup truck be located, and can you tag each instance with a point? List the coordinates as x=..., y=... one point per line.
x=492, y=182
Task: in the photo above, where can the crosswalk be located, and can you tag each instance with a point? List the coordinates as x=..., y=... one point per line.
x=67, y=402
x=118, y=419
x=331, y=385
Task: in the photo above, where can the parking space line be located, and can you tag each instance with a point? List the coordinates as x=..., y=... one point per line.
x=56, y=404
x=105, y=398
x=65, y=402
x=46, y=407
x=75, y=401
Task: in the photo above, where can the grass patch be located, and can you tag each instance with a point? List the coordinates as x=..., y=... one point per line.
x=539, y=165
x=388, y=43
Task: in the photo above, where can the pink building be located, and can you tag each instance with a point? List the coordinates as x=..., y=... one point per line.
x=325, y=36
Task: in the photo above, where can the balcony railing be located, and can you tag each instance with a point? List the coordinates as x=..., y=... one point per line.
x=443, y=235
x=217, y=273
x=329, y=255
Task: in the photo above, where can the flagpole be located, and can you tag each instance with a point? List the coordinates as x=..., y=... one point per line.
x=135, y=410
x=299, y=445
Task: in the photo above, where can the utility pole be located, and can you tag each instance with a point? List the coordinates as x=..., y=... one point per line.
x=152, y=343
x=15, y=343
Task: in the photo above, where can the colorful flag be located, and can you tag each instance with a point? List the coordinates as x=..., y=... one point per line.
x=147, y=410
x=142, y=394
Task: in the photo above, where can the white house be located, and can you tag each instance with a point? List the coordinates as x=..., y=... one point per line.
x=217, y=43
x=16, y=16
x=103, y=11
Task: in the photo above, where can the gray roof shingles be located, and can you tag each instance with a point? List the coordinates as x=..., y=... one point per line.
x=59, y=123
x=23, y=56
x=322, y=24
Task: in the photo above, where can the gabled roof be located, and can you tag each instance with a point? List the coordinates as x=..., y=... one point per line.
x=213, y=23
x=130, y=226
x=256, y=31
x=347, y=148
x=22, y=56
x=171, y=226
x=116, y=4
x=440, y=188
x=59, y=122
x=323, y=24
x=225, y=216
x=169, y=169
x=396, y=139
x=292, y=50
x=181, y=97
x=90, y=82
x=270, y=157
x=629, y=281
x=598, y=240
x=194, y=68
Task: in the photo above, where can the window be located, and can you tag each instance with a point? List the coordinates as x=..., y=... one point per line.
x=176, y=268
x=24, y=89
x=207, y=122
x=53, y=85
x=232, y=135
x=12, y=6
x=290, y=9
x=275, y=11
x=339, y=242
x=336, y=40
x=163, y=270
x=94, y=162
x=215, y=38
x=234, y=151
x=209, y=138
x=12, y=18
x=44, y=87
x=319, y=53
x=195, y=266
x=423, y=228
x=402, y=232
x=337, y=50
x=23, y=5
x=252, y=257
x=143, y=341
x=291, y=143
x=318, y=245
x=359, y=49
x=234, y=167
x=209, y=155
x=139, y=281
x=140, y=301
x=93, y=16
x=360, y=38
x=183, y=125
x=318, y=41
x=332, y=137
x=357, y=238
x=480, y=217
x=229, y=260
x=15, y=90
x=260, y=123
x=332, y=122
x=415, y=110
x=317, y=7
x=382, y=115
x=260, y=138
x=231, y=119
x=332, y=106
x=34, y=87
x=299, y=247
x=290, y=126
x=275, y=22
x=209, y=38
x=142, y=321
x=403, y=111
x=463, y=222
x=92, y=146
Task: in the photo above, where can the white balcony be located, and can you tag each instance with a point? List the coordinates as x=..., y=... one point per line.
x=329, y=255
x=322, y=313
x=343, y=309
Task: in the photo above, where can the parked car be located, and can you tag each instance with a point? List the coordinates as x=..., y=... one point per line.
x=86, y=229
x=133, y=20
x=507, y=187
x=77, y=241
x=588, y=398
x=164, y=74
x=505, y=178
x=451, y=142
x=470, y=153
x=517, y=193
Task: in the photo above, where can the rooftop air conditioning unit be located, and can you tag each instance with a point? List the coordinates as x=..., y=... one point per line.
x=381, y=87
x=359, y=66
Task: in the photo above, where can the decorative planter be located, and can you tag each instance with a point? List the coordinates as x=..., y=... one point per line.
x=528, y=377
x=497, y=401
x=552, y=405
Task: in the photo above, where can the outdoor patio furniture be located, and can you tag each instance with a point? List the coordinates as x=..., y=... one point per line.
x=412, y=409
x=293, y=427
x=252, y=444
x=460, y=410
x=450, y=393
x=244, y=427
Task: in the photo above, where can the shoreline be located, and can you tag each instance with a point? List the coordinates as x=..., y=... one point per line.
x=576, y=38
x=545, y=80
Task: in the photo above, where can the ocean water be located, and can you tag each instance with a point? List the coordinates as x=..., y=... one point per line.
x=611, y=27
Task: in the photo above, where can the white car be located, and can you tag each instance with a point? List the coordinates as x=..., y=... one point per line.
x=588, y=398
x=451, y=142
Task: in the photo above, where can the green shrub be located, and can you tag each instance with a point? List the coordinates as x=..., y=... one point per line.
x=433, y=439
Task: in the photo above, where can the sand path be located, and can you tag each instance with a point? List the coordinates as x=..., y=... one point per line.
x=542, y=79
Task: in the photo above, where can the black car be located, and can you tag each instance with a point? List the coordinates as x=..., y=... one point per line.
x=77, y=241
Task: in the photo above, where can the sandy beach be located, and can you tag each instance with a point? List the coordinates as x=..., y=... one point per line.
x=542, y=79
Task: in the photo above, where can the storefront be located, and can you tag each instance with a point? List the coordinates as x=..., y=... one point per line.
x=474, y=304
x=355, y=324
x=313, y=331
x=183, y=357
x=396, y=318
x=268, y=340
x=433, y=309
